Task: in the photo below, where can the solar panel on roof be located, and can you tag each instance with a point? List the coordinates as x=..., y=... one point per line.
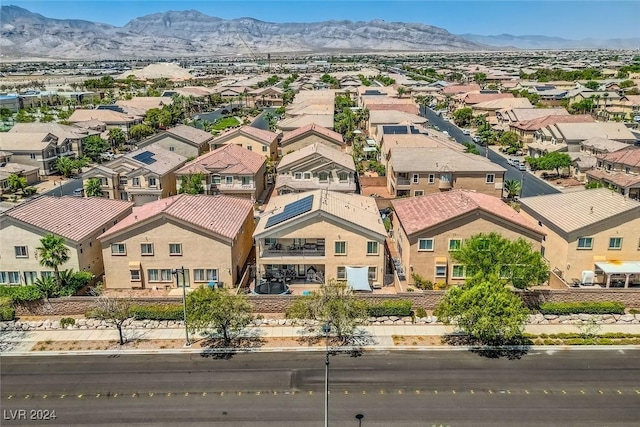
x=145, y=157
x=291, y=210
x=395, y=130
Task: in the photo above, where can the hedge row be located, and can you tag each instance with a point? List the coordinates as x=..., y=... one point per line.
x=20, y=294
x=400, y=308
x=559, y=308
x=158, y=312
x=7, y=312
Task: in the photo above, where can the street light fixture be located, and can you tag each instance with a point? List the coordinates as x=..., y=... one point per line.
x=184, y=302
x=326, y=329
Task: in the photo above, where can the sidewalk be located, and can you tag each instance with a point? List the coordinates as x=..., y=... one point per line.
x=379, y=336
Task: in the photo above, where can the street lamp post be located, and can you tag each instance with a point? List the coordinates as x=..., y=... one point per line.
x=184, y=302
x=326, y=329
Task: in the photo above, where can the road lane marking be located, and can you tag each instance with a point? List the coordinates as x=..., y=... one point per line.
x=205, y=393
x=186, y=394
x=381, y=391
x=619, y=392
x=98, y=395
x=564, y=392
x=600, y=391
x=80, y=396
x=454, y=392
x=472, y=392
x=346, y=392
x=526, y=391
x=581, y=391
x=310, y=392
x=417, y=391
x=150, y=394
x=168, y=394
x=435, y=391
x=62, y=396
x=399, y=391
x=134, y=394
x=44, y=396
x=27, y=396
x=10, y=397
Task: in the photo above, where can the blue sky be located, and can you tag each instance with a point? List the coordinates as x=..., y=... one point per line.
x=568, y=19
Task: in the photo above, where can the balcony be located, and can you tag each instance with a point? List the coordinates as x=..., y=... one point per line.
x=290, y=249
x=444, y=185
x=403, y=182
x=235, y=186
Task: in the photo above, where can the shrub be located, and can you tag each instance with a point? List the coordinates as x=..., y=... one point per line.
x=20, y=294
x=67, y=321
x=604, y=307
x=390, y=308
x=420, y=312
x=7, y=312
x=158, y=312
x=421, y=283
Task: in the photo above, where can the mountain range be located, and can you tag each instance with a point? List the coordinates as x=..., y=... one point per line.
x=25, y=35
x=545, y=42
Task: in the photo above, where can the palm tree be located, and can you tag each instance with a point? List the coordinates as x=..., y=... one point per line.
x=52, y=254
x=93, y=188
x=513, y=188
x=401, y=91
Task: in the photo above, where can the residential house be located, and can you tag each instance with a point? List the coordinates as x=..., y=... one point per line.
x=112, y=119
x=526, y=130
x=321, y=235
x=253, y=139
x=316, y=166
x=619, y=170
x=292, y=124
x=35, y=149
x=426, y=230
x=309, y=135
x=596, y=232
x=267, y=97
x=139, y=105
x=80, y=221
x=419, y=171
x=490, y=108
x=140, y=176
x=8, y=168
x=458, y=89
x=70, y=138
x=209, y=236
x=230, y=170
x=392, y=117
x=520, y=115
x=187, y=141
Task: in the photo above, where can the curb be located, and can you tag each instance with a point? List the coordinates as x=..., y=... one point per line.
x=205, y=352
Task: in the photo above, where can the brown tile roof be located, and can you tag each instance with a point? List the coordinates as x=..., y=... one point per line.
x=230, y=159
x=619, y=178
x=222, y=215
x=336, y=156
x=405, y=108
x=315, y=129
x=73, y=218
x=61, y=132
x=476, y=98
x=453, y=89
x=629, y=156
x=106, y=116
x=420, y=213
x=263, y=135
x=541, y=122
x=15, y=142
x=164, y=160
x=195, y=135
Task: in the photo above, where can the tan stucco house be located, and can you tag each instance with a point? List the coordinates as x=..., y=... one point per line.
x=259, y=141
x=210, y=236
x=187, y=141
x=308, y=135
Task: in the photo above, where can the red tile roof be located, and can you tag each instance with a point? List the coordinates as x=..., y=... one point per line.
x=222, y=215
x=230, y=158
x=420, y=213
x=73, y=218
x=629, y=156
x=313, y=128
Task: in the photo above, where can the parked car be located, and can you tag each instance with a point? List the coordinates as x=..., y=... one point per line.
x=477, y=139
x=78, y=192
x=636, y=119
x=521, y=167
x=466, y=131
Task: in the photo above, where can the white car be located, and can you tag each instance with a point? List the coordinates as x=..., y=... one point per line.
x=521, y=167
x=466, y=131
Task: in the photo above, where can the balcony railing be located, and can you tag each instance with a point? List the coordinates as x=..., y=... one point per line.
x=308, y=250
x=234, y=186
x=402, y=181
x=444, y=185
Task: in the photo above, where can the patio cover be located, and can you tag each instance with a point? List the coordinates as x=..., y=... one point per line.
x=358, y=278
x=619, y=267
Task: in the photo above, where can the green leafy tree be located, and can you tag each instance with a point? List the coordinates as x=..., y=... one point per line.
x=117, y=137
x=140, y=131
x=627, y=84
x=514, y=261
x=463, y=116
x=66, y=166
x=485, y=310
x=480, y=78
x=593, y=85
x=219, y=311
x=554, y=160
x=192, y=184
x=93, y=188
x=334, y=304
x=24, y=117
x=510, y=139
x=16, y=183
x=94, y=146
x=401, y=91
x=47, y=286
x=513, y=187
x=52, y=253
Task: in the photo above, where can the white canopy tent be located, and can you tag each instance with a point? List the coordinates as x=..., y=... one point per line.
x=358, y=278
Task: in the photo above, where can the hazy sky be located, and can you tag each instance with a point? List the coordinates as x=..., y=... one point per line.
x=568, y=19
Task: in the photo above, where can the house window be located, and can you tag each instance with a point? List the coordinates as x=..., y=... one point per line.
x=432, y=178
x=135, y=182
x=135, y=275
x=343, y=177
x=323, y=177
x=146, y=248
x=21, y=251
x=30, y=277
x=490, y=178
x=172, y=148
x=264, y=148
x=455, y=244
x=14, y=277
x=441, y=271
x=118, y=249
x=246, y=180
x=615, y=243
x=585, y=242
x=341, y=248
x=32, y=156
x=104, y=182
x=297, y=175
x=373, y=273
x=425, y=244
x=270, y=241
x=205, y=275
x=418, y=193
x=152, y=182
x=228, y=180
x=123, y=181
x=307, y=175
x=416, y=178
x=250, y=147
x=372, y=248
x=45, y=274
x=175, y=248
x=342, y=273
x=152, y=274
x=457, y=272
x=627, y=170
x=215, y=179
x=3, y=277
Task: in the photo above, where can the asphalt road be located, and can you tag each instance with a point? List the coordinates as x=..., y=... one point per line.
x=532, y=185
x=455, y=388
x=66, y=189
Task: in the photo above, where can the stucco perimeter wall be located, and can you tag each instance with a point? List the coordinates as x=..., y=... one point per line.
x=278, y=304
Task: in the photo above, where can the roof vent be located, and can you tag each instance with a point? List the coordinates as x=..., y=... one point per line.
x=591, y=210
